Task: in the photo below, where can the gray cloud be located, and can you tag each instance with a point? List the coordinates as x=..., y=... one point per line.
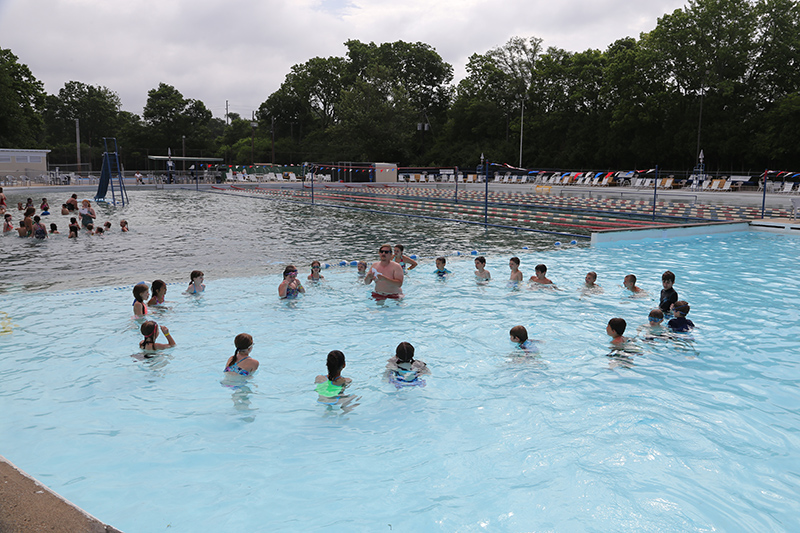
x=241, y=50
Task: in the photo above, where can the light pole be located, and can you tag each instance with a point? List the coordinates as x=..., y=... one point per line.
x=183, y=140
x=254, y=124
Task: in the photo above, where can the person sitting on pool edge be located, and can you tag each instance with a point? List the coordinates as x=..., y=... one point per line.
x=615, y=329
x=315, y=268
x=539, y=277
x=401, y=259
x=519, y=336
x=150, y=331
x=680, y=323
x=241, y=362
x=195, y=282
x=290, y=287
x=482, y=274
x=441, y=271
x=387, y=274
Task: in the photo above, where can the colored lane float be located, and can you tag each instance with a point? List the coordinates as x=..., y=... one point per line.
x=512, y=209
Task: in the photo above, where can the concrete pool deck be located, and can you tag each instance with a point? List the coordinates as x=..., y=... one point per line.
x=26, y=505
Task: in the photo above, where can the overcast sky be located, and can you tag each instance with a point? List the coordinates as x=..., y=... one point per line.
x=241, y=50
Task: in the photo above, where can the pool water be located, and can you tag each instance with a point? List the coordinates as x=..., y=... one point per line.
x=693, y=433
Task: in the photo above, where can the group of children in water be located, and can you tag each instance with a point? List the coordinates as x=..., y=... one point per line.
x=32, y=226
x=402, y=368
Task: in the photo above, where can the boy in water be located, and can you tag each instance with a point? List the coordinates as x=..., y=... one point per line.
x=540, y=277
x=590, y=284
x=653, y=328
x=441, y=271
x=516, y=273
x=668, y=295
x=362, y=269
x=680, y=323
x=482, y=273
x=519, y=336
x=615, y=329
x=630, y=284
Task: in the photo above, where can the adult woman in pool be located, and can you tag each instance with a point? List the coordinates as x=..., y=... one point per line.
x=290, y=287
x=241, y=362
x=87, y=213
x=150, y=331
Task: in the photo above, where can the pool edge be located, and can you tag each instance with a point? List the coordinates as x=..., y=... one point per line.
x=28, y=505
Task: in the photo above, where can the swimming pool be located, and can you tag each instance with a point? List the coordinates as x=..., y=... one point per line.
x=699, y=433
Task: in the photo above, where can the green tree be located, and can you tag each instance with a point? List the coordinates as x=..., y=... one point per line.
x=168, y=117
x=22, y=98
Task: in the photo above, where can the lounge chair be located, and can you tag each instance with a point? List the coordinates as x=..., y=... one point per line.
x=787, y=188
x=795, y=207
x=727, y=185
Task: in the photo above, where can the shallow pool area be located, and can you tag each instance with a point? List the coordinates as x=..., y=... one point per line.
x=691, y=432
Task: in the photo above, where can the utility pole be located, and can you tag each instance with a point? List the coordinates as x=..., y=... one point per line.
x=226, y=112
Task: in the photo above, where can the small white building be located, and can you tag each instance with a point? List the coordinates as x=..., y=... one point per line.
x=23, y=163
x=385, y=172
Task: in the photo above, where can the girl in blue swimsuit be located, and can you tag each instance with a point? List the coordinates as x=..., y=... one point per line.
x=241, y=362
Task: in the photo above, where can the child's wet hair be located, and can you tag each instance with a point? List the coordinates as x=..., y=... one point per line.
x=404, y=352
x=288, y=270
x=656, y=313
x=618, y=325
x=138, y=291
x=541, y=267
x=519, y=332
x=157, y=286
x=441, y=259
x=515, y=260
x=681, y=306
x=335, y=363
x=668, y=276
x=480, y=259
x=194, y=275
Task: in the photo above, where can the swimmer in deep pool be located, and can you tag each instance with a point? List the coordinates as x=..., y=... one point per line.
x=240, y=362
x=150, y=331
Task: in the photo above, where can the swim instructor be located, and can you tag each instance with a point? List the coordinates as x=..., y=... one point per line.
x=387, y=274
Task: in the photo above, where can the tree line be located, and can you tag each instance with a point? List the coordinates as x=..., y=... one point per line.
x=717, y=75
